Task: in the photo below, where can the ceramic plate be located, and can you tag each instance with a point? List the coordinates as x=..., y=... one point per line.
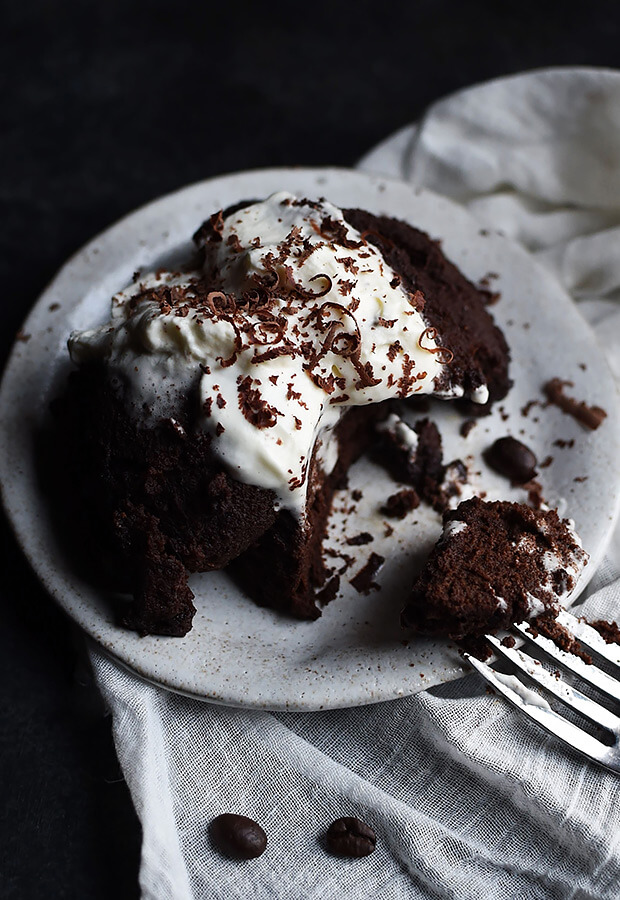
x=356, y=653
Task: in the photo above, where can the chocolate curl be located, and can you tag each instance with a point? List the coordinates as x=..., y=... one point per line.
x=237, y=347
x=353, y=350
x=325, y=290
x=266, y=332
x=431, y=334
x=269, y=281
x=227, y=305
x=286, y=281
x=283, y=281
x=274, y=352
x=322, y=310
x=335, y=331
x=354, y=342
x=257, y=298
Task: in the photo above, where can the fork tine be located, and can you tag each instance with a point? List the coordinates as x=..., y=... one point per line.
x=574, y=664
x=564, y=692
x=590, y=638
x=537, y=708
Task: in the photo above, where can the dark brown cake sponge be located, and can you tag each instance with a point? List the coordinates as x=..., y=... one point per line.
x=452, y=304
x=155, y=496
x=496, y=563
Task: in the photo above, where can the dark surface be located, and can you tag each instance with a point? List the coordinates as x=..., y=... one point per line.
x=106, y=107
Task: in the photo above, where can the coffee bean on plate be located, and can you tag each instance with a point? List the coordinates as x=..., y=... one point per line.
x=511, y=458
x=350, y=836
x=238, y=837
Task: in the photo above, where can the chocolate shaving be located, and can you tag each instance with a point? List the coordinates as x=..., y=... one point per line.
x=431, y=334
x=349, y=264
x=326, y=289
x=237, y=347
x=337, y=233
x=266, y=332
x=255, y=409
x=590, y=416
x=393, y=350
x=274, y=353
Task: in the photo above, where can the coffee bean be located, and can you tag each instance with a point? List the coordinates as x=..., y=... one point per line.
x=511, y=458
x=237, y=836
x=350, y=837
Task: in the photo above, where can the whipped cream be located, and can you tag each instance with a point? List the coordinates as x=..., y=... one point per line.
x=452, y=528
x=562, y=567
x=404, y=436
x=294, y=317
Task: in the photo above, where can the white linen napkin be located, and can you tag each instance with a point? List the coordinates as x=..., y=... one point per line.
x=468, y=799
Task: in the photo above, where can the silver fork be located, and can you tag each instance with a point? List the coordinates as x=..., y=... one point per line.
x=536, y=706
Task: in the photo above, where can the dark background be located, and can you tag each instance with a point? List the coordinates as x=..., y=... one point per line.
x=105, y=107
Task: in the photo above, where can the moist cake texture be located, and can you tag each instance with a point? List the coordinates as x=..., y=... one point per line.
x=211, y=419
x=496, y=563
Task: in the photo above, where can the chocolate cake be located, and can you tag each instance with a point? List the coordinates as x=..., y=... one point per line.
x=496, y=563
x=478, y=350
x=209, y=422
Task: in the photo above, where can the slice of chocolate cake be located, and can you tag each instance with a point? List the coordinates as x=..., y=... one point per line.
x=453, y=306
x=213, y=416
x=496, y=563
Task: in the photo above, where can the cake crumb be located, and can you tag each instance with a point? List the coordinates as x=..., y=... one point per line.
x=608, y=630
x=525, y=410
x=467, y=426
x=363, y=581
x=359, y=539
x=560, y=636
x=399, y=504
x=329, y=591
x=590, y=416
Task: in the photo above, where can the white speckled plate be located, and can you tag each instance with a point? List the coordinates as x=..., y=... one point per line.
x=356, y=653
